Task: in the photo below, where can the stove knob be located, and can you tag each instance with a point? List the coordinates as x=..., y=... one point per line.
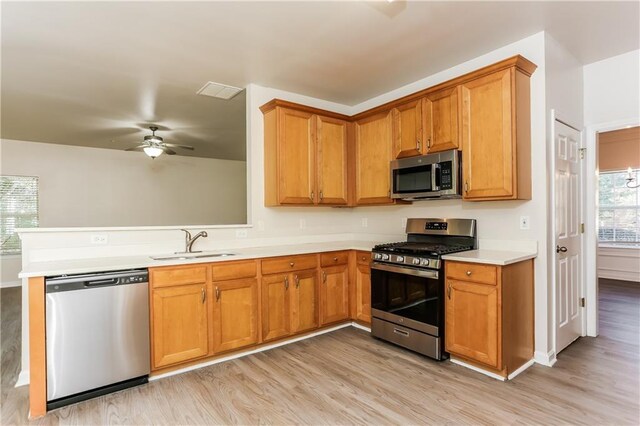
x=377, y=256
x=424, y=262
x=385, y=257
x=416, y=261
x=399, y=258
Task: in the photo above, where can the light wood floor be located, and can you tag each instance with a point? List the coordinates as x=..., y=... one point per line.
x=347, y=377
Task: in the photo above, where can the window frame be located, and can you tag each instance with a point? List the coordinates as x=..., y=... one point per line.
x=619, y=207
x=5, y=237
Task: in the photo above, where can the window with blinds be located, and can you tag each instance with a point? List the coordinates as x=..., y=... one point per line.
x=619, y=214
x=18, y=209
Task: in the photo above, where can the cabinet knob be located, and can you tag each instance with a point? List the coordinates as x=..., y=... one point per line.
x=335, y=259
x=364, y=258
x=291, y=264
x=468, y=273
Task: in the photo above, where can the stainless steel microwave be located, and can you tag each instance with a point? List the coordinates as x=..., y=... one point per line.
x=427, y=176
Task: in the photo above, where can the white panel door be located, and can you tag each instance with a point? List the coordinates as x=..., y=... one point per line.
x=568, y=236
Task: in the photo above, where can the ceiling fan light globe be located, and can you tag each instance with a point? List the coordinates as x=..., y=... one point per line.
x=153, y=151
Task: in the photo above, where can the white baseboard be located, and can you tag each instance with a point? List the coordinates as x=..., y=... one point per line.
x=521, y=369
x=546, y=359
x=361, y=327
x=23, y=378
x=613, y=274
x=479, y=370
x=8, y=284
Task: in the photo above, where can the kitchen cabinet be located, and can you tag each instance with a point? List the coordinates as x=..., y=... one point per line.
x=305, y=157
x=180, y=318
x=408, y=129
x=489, y=314
x=276, y=307
x=373, y=154
x=362, y=293
x=441, y=113
x=235, y=314
x=496, y=147
x=304, y=301
x=334, y=294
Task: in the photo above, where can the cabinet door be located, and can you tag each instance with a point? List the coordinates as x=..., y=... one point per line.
x=235, y=314
x=304, y=301
x=472, y=326
x=296, y=157
x=373, y=157
x=407, y=129
x=180, y=326
x=334, y=294
x=331, y=137
x=488, y=160
x=275, y=306
x=363, y=293
x=442, y=116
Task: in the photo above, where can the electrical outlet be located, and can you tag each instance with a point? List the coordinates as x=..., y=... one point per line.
x=99, y=239
x=365, y=222
x=241, y=233
x=524, y=222
x=303, y=224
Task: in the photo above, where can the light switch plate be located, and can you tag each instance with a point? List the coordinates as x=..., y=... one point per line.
x=365, y=222
x=524, y=222
x=99, y=239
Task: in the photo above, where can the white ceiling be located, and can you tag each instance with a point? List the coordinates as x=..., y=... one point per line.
x=93, y=74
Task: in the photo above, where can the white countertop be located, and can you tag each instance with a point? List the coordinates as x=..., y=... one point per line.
x=101, y=264
x=491, y=257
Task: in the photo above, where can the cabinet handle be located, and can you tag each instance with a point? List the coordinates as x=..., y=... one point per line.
x=449, y=291
x=324, y=277
x=217, y=293
x=468, y=273
x=389, y=193
x=466, y=187
x=286, y=283
x=297, y=281
x=203, y=294
x=321, y=195
x=418, y=144
x=428, y=142
x=311, y=196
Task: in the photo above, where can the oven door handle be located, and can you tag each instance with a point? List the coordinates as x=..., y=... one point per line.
x=423, y=273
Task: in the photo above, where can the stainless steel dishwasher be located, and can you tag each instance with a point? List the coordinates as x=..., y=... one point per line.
x=97, y=334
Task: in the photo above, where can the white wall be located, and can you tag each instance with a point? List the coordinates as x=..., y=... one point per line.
x=498, y=221
x=619, y=263
x=612, y=89
x=80, y=186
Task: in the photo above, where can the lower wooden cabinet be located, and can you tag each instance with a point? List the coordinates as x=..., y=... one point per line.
x=362, y=293
x=276, y=320
x=179, y=324
x=489, y=314
x=304, y=301
x=334, y=294
x=235, y=314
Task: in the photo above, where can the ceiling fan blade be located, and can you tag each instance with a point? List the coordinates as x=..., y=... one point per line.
x=168, y=151
x=135, y=148
x=173, y=145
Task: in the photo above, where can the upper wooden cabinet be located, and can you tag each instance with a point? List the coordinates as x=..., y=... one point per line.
x=441, y=113
x=496, y=137
x=373, y=154
x=408, y=129
x=305, y=158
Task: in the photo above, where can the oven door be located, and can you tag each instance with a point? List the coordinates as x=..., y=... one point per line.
x=408, y=296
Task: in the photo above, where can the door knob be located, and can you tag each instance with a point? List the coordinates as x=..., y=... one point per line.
x=562, y=249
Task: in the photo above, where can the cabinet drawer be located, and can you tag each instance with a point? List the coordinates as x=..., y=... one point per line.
x=166, y=277
x=233, y=270
x=486, y=274
x=289, y=263
x=363, y=257
x=334, y=258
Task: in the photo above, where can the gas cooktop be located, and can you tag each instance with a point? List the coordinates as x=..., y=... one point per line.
x=422, y=249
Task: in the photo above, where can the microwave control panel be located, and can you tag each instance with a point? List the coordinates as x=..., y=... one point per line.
x=446, y=175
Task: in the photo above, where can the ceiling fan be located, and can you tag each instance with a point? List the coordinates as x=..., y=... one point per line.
x=154, y=145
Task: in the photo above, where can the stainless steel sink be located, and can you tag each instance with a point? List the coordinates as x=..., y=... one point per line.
x=193, y=256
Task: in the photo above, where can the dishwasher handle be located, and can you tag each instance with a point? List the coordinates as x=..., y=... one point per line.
x=110, y=281
x=96, y=280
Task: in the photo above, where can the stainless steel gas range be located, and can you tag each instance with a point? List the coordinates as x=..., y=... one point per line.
x=407, y=283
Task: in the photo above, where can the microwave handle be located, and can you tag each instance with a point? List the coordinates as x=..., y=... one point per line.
x=435, y=175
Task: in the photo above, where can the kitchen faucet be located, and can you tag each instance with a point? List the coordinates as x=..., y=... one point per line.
x=189, y=240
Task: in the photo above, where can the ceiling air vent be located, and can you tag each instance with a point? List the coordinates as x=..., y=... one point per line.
x=217, y=90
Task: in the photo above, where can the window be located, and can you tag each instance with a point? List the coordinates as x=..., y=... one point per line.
x=619, y=212
x=18, y=209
